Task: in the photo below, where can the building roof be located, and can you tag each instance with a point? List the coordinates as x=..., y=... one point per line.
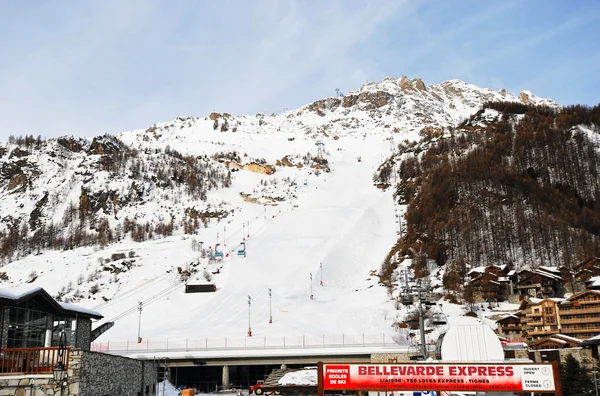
x=509, y=316
x=15, y=295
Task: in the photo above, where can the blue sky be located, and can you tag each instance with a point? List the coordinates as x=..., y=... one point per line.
x=93, y=67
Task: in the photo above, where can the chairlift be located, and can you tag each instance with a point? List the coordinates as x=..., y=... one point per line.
x=218, y=253
x=242, y=250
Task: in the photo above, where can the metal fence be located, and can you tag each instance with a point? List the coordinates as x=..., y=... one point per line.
x=398, y=339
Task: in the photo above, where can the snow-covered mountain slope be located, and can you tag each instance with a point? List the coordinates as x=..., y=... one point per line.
x=196, y=182
x=400, y=107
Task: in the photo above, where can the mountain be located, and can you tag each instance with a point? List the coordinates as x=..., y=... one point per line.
x=114, y=220
x=514, y=184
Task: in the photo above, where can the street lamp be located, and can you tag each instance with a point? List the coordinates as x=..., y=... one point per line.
x=249, y=328
x=270, y=314
x=311, y=293
x=321, y=274
x=59, y=371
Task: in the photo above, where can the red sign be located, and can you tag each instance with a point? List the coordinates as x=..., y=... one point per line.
x=440, y=377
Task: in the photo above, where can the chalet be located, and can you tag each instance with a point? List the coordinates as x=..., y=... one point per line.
x=541, y=282
x=490, y=283
x=556, y=341
x=587, y=269
x=540, y=318
x=510, y=326
x=580, y=315
x=577, y=317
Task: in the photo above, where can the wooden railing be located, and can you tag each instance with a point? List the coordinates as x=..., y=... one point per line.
x=30, y=360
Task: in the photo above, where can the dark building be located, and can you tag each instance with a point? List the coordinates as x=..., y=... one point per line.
x=31, y=318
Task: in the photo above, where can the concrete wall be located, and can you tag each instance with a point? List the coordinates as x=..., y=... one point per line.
x=107, y=375
x=390, y=358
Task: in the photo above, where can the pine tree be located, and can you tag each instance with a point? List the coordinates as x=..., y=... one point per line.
x=574, y=380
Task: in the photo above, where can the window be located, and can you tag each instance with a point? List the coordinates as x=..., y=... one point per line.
x=548, y=310
x=26, y=326
x=69, y=326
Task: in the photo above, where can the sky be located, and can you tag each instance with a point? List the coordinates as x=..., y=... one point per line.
x=94, y=67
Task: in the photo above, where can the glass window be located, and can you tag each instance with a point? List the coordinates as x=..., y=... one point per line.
x=26, y=326
x=68, y=325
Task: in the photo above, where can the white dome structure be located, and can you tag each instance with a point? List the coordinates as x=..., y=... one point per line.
x=474, y=343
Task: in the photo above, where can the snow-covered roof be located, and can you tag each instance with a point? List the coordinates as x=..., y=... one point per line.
x=566, y=337
x=557, y=340
x=511, y=273
x=507, y=316
x=594, y=281
x=477, y=270
x=78, y=309
x=14, y=294
x=549, y=269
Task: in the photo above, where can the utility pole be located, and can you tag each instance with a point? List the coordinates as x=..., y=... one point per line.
x=270, y=312
x=321, y=274
x=139, y=321
x=422, y=328
x=249, y=328
x=311, y=292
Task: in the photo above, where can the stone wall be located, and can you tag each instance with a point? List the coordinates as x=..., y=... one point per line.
x=30, y=385
x=107, y=375
x=4, y=325
x=582, y=355
x=89, y=374
x=84, y=334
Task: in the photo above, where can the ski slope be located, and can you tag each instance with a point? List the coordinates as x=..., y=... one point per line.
x=338, y=221
x=341, y=221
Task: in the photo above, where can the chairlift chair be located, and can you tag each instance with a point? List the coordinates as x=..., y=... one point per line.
x=242, y=251
x=218, y=253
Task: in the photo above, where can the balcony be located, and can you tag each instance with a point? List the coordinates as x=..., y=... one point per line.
x=534, y=314
x=591, y=330
x=30, y=360
x=580, y=320
x=531, y=323
x=542, y=332
x=579, y=310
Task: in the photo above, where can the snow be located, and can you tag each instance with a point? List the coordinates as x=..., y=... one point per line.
x=307, y=377
x=76, y=308
x=594, y=281
x=338, y=229
x=15, y=293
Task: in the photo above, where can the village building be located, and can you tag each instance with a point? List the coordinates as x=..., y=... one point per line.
x=491, y=283
x=541, y=282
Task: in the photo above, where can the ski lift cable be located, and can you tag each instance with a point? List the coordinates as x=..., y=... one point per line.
x=139, y=287
x=131, y=291
x=148, y=301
